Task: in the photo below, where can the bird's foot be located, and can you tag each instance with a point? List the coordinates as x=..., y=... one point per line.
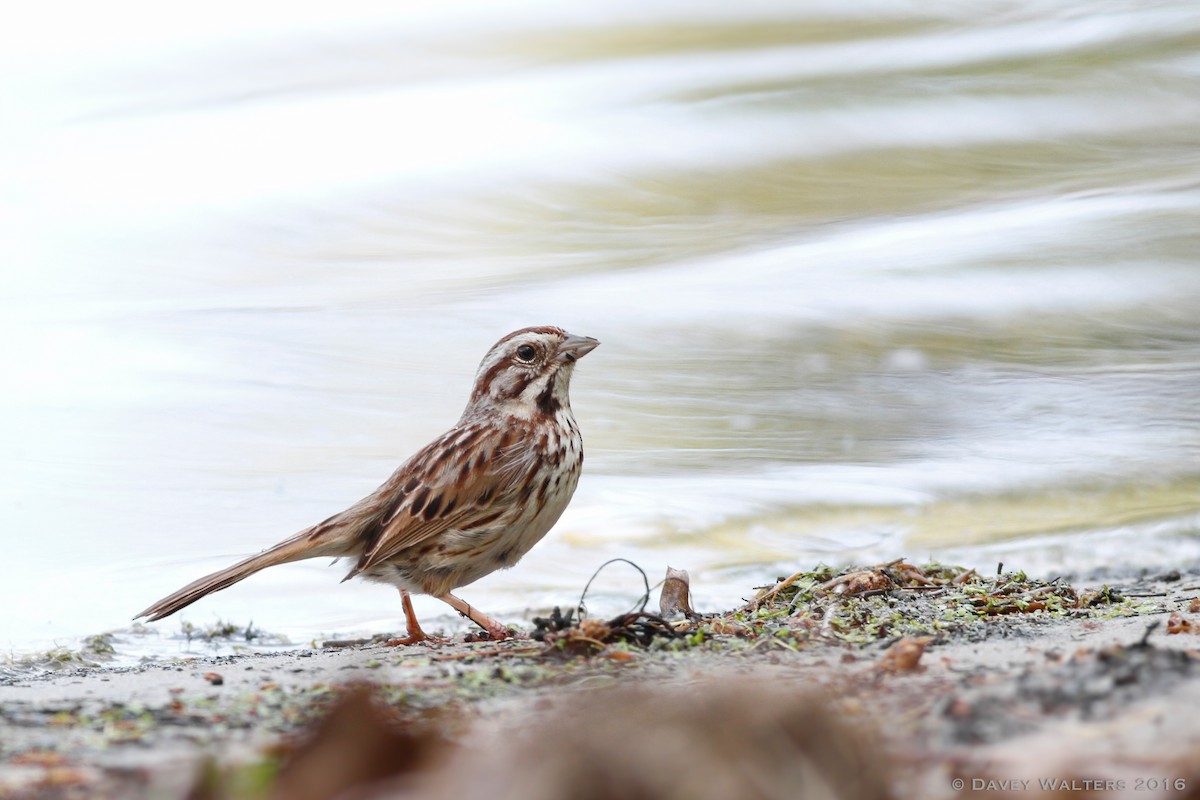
x=407, y=640
x=412, y=626
x=415, y=638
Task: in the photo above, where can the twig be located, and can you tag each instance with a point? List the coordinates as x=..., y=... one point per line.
x=1145, y=642
x=774, y=641
x=757, y=603
x=645, y=580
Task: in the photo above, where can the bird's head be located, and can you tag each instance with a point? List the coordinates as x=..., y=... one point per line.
x=528, y=372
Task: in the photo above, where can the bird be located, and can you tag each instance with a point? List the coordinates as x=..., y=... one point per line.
x=472, y=501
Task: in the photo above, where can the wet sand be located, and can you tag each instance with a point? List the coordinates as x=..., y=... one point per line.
x=1096, y=702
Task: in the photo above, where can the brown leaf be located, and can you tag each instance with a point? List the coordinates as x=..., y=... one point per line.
x=910, y=574
x=871, y=580
x=904, y=655
x=963, y=577
x=1177, y=623
x=596, y=629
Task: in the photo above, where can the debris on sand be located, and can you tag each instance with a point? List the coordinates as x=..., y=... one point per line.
x=958, y=672
x=863, y=605
x=565, y=636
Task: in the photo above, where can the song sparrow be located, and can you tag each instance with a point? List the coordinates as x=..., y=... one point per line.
x=474, y=500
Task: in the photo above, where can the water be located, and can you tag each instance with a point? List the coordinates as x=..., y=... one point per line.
x=882, y=280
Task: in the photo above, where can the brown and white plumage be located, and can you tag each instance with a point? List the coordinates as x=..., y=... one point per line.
x=474, y=500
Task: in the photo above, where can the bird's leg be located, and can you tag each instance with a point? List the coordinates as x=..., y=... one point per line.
x=496, y=630
x=412, y=626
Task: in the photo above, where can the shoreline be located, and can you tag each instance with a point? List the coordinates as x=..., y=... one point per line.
x=1075, y=693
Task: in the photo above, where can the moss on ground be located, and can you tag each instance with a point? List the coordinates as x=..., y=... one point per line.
x=859, y=606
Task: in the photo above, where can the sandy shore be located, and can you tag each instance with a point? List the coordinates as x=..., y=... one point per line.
x=1096, y=699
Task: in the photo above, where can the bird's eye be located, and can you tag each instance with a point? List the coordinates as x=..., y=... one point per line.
x=526, y=353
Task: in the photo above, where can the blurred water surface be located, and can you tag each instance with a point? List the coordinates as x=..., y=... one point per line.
x=872, y=279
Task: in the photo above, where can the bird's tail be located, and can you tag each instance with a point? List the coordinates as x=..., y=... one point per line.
x=299, y=547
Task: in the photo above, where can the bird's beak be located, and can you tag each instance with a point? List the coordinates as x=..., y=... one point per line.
x=576, y=347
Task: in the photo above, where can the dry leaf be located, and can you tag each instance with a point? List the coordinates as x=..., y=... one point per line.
x=904, y=655
x=871, y=580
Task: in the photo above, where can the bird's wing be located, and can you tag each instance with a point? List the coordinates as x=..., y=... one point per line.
x=468, y=477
